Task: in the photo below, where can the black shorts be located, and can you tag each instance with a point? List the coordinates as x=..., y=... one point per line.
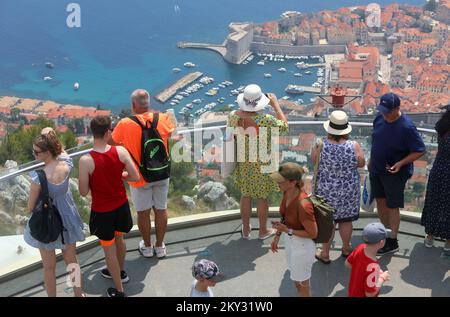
x=391, y=187
x=104, y=225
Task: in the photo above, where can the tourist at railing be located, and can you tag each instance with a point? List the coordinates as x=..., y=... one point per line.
x=47, y=148
x=436, y=211
x=396, y=144
x=299, y=223
x=146, y=195
x=102, y=172
x=337, y=178
x=247, y=175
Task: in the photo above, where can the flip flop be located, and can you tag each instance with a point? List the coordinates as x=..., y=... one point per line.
x=344, y=255
x=271, y=233
x=319, y=258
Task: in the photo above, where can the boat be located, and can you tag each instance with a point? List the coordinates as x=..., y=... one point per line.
x=300, y=101
x=197, y=101
x=267, y=75
x=222, y=86
x=312, y=99
x=176, y=70
x=211, y=92
x=173, y=104
x=282, y=69
x=261, y=63
x=47, y=78
x=293, y=89
x=308, y=72
x=285, y=98
x=298, y=75
x=76, y=86
x=189, y=64
x=49, y=65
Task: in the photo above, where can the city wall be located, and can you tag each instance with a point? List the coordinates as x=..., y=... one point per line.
x=297, y=50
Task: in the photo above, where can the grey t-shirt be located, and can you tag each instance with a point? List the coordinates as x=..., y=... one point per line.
x=195, y=293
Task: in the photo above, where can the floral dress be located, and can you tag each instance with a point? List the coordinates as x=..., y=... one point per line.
x=247, y=175
x=339, y=181
x=63, y=200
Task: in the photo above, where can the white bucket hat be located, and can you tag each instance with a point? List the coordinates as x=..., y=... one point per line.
x=253, y=99
x=338, y=123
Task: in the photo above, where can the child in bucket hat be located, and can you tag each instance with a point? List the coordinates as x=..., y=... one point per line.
x=206, y=274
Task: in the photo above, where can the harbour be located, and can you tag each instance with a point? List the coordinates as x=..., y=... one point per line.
x=167, y=93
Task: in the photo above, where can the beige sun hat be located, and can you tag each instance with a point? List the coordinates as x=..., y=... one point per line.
x=338, y=123
x=252, y=99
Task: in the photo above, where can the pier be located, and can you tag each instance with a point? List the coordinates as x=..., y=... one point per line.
x=305, y=88
x=221, y=49
x=167, y=93
x=313, y=65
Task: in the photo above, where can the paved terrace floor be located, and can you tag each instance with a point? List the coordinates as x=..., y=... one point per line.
x=250, y=267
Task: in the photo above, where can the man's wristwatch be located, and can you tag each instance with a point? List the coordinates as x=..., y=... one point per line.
x=290, y=231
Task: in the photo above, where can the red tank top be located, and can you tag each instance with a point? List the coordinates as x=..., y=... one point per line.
x=107, y=188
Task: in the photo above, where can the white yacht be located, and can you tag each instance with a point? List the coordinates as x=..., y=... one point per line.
x=197, y=101
x=76, y=86
x=189, y=64
x=267, y=75
x=261, y=63
x=176, y=70
x=47, y=78
x=298, y=75
x=282, y=69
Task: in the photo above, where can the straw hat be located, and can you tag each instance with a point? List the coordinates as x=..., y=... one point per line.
x=252, y=99
x=338, y=123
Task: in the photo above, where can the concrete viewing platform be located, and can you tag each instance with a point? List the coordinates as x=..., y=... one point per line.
x=251, y=269
x=167, y=93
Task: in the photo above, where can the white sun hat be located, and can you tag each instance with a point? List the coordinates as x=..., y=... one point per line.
x=338, y=123
x=253, y=99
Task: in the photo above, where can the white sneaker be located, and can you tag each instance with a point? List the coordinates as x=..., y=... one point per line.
x=160, y=251
x=428, y=242
x=147, y=252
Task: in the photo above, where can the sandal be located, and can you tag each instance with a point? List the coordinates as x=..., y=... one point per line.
x=271, y=232
x=345, y=255
x=246, y=237
x=321, y=259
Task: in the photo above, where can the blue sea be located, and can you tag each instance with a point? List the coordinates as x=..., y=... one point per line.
x=123, y=45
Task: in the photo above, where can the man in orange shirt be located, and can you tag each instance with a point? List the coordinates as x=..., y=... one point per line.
x=146, y=196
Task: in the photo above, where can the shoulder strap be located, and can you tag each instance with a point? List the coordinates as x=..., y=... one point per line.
x=44, y=185
x=316, y=166
x=135, y=119
x=155, y=120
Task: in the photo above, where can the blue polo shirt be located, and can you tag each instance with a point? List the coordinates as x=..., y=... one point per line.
x=392, y=142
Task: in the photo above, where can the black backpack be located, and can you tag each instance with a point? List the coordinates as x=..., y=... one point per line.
x=155, y=163
x=45, y=223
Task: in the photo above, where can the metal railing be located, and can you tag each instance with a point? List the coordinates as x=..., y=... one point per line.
x=36, y=166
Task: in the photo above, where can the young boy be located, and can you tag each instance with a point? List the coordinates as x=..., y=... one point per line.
x=367, y=278
x=102, y=173
x=206, y=274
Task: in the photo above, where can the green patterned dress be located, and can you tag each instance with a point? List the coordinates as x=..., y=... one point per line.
x=247, y=175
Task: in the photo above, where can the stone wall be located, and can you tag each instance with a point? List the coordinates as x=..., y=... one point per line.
x=297, y=50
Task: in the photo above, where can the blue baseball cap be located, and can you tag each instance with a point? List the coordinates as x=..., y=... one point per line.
x=388, y=102
x=375, y=232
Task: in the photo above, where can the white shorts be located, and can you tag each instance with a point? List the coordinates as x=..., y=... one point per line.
x=151, y=195
x=300, y=255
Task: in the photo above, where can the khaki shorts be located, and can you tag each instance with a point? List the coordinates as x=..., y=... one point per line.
x=150, y=195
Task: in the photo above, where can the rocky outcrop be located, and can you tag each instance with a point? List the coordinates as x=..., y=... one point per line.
x=214, y=193
x=188, y=202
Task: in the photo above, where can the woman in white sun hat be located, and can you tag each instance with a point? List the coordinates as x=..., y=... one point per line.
x=247, y=175
x=337, y=178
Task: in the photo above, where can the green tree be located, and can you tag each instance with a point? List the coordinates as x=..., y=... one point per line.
x=180, y=182
x=18, y=146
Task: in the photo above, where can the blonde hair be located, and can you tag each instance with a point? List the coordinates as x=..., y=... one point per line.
x=300, y=182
